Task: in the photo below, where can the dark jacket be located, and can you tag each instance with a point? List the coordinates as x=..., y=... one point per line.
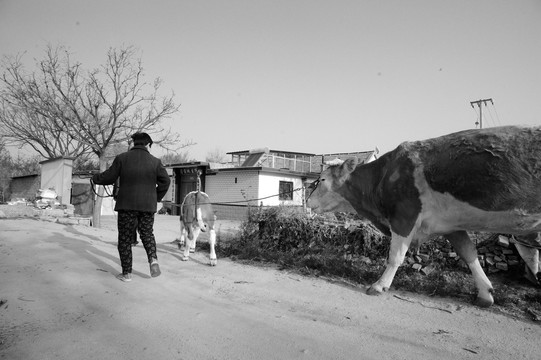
x=143, y=180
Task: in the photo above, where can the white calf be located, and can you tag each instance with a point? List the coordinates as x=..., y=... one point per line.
x=196, y=215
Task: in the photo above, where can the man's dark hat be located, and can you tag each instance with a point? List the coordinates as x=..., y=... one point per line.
x=141, y=138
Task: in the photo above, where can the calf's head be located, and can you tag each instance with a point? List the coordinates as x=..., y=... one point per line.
x=326, y=191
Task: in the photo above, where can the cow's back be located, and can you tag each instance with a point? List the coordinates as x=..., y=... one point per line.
x=491, y=169
x=194, y=200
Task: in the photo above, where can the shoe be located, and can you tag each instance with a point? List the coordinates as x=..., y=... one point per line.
x=155, y=269
x=124, y=277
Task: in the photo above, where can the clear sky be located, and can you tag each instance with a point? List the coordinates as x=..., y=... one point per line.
x=314, y=76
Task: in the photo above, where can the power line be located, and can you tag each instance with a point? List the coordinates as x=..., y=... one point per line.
x=497, y=116
x=493, y=119
x=478, y=103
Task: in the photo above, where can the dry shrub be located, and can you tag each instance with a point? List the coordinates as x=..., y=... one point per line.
x=319, y=246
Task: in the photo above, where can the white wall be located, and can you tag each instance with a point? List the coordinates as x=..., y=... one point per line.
x=238, y=186
x=57, y=174
x=269, y=185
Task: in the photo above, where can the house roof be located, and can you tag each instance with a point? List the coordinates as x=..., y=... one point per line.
x=186, y=165
x=255, y=155
x=252, y=159
x=24, y=176
x=56, y=158
x=246, y=152
x=266, y=170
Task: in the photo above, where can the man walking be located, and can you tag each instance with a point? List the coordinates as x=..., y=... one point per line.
x=143, y=182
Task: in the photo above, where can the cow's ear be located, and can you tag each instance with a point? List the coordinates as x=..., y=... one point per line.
x=350, y=164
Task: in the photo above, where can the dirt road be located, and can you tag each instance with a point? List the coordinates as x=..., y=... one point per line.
x=60, y=300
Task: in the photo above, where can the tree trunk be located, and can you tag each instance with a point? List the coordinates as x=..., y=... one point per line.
x=96, y=214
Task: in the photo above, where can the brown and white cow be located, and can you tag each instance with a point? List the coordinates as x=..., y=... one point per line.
x=196, y=215
x=474, y=180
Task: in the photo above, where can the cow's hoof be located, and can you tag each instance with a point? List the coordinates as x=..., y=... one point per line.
x=213, y=262
x=184, y=258
x=373, y=291
x=192, y=250
x=484, y=303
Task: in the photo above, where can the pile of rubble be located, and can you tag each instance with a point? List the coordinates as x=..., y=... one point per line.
x=46, y=199
x=496, y=254
x=500, y=255
x=45, y=207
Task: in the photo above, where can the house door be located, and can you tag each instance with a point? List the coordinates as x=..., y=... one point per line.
x=187, y=184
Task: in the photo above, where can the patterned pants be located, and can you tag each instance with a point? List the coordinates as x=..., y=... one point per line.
x=128, y=222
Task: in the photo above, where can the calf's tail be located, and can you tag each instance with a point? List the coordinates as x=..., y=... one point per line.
x=200, y=221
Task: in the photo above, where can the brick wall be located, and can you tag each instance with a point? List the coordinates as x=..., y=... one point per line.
x=232, y=186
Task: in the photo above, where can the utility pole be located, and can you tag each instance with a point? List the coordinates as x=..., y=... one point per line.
x=478, y=103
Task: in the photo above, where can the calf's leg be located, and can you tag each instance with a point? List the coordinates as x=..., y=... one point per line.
x=397, y=252
x=182, y=238
x=196, y=231
x=189, y=245
x=466, y=250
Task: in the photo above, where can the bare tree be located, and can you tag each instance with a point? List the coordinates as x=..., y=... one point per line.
x=21, y=166
x=175, y=158
x=27, y=112
x=5, y=174
x=216, y=156
x=63, y=110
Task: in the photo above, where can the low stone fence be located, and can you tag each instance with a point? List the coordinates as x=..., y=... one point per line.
x=63, y=216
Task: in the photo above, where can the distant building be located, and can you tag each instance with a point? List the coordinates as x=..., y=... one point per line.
x=259, y=177
x=252, y=178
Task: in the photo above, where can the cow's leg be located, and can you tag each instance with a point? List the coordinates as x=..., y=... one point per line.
x=212, y=242
x=196, y=231
x=397, y=252
x=466, y=250
x=188, y=243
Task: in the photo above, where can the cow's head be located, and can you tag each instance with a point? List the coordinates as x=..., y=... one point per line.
x=325, y=191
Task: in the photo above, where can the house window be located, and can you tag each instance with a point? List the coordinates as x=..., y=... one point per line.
x=286, y=190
